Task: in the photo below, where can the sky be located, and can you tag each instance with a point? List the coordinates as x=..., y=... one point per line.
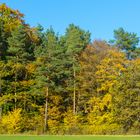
x=100, y=17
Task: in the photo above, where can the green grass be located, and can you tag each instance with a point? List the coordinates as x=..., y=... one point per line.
x=69, y=137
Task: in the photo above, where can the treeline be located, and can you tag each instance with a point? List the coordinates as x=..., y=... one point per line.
x=65, y=84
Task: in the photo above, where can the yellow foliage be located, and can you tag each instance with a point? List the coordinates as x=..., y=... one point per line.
x=103, y=129
x=12, y=18
x=27, y=83
x=31, y=68
x=100, y=110
x=70, y=120
x=53, y=126
x=109, y=69
x=11, y=123
x=56, y=99
x=54, y=118
x=34, y=122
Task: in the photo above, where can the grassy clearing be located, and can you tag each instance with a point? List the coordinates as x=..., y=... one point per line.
x=69, y=137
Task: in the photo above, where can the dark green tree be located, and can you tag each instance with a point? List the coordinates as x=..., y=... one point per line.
x=19, y=45
x=3, y=47
x=126, y=41
x=3, y=42
x=46, y=64
x=76, y=41
x=18, y=54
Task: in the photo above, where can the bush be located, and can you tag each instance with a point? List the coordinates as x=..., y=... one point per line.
x=11, y=123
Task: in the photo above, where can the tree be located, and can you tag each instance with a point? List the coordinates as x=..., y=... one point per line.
x=3, y=48
x=136, y=53
x=10, y=18
x=76, y=40
x=3, y=43
x=126, y=41
x=108, y=70
x=46, y=66
x=89, y=61
x=126, y=99
x=18, y=54
x=108, y=65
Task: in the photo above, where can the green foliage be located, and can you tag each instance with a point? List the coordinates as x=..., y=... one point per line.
x=126, y=41
x=76, y=39
x=19, y=45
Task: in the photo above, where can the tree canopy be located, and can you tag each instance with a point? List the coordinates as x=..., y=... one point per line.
x=66, y=84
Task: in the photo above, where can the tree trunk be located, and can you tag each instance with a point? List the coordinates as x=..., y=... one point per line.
x=15, y=89
x=74, y=92
x=46, y=110
x=0, y=113
x=0, y=95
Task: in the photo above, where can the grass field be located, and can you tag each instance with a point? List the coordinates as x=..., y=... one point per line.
x=69, y=137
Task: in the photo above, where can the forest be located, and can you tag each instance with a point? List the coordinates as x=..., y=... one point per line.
x=67, y=84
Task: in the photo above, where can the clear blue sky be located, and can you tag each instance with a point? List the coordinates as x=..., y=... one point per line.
x=100, y=17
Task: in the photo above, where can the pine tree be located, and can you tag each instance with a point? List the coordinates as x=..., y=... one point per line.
x=18, y=55
x=76, y=40
x=126, y=41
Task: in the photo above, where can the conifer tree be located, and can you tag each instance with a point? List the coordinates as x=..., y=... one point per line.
x=126, y=41
x=18, y=55
x=76, y=40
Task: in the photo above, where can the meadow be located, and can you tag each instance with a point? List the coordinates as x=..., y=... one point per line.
x=69, y=137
